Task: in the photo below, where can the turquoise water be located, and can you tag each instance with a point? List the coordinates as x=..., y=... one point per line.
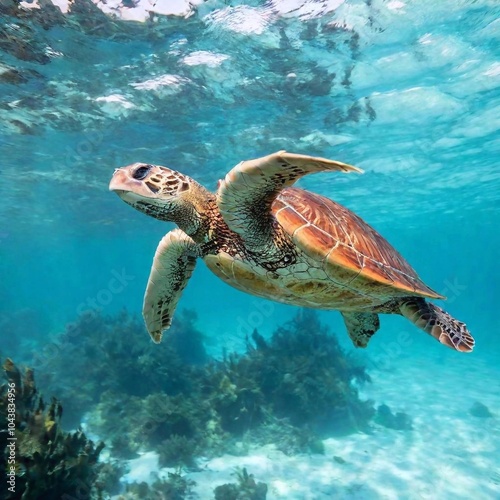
x=407, y=91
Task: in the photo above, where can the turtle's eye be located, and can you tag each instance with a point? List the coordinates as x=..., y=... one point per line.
x=141, y=172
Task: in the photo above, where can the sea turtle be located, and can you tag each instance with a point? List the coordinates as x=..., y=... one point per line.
x=266, y=238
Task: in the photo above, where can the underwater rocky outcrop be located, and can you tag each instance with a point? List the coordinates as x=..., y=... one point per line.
x=41, y=460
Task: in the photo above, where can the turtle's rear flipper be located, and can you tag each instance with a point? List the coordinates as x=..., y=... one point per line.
x=361, y=326
x=437, y=323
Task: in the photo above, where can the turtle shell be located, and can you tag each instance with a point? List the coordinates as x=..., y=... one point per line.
x=352, y=252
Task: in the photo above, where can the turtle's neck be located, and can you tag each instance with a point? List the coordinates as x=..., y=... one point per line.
x=194, y=212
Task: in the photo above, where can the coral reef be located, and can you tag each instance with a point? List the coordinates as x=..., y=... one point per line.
x=301, y=375
x=175, y=426
x=245, y=489
x=398, y=421
x=42, y=460
x=114, y=354
x=291, y=390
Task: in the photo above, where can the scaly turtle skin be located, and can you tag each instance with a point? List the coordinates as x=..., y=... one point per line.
x=266, y=238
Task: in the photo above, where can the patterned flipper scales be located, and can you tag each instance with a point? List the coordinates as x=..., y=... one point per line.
x=361, y=326
x=438, y=323
x=173, y=264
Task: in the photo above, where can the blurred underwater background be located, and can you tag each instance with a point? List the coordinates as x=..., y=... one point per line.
x=245, y=398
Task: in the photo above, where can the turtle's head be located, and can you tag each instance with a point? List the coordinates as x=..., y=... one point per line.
x=149, y=188
x=161, y=193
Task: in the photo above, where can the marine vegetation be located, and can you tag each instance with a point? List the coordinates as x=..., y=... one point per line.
x=291, y=390
x=177, y=427
x=246, y=488
x=113, y=355
x=300, y=376
x=47, y=462
x=175, y=487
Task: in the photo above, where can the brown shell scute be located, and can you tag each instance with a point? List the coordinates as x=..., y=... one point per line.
x=351, y=249
x=323, y=242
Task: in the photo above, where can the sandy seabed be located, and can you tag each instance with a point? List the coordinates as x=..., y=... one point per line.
x=449, y=454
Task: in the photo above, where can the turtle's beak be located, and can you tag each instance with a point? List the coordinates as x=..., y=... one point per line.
x=119, y=181
x=128, y=187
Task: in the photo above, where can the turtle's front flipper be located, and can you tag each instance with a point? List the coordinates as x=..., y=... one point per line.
x=246, y=194
x=361, y=326
x=173, y=265
x=437, y=323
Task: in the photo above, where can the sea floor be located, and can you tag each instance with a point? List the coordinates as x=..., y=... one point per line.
x=449, y=454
